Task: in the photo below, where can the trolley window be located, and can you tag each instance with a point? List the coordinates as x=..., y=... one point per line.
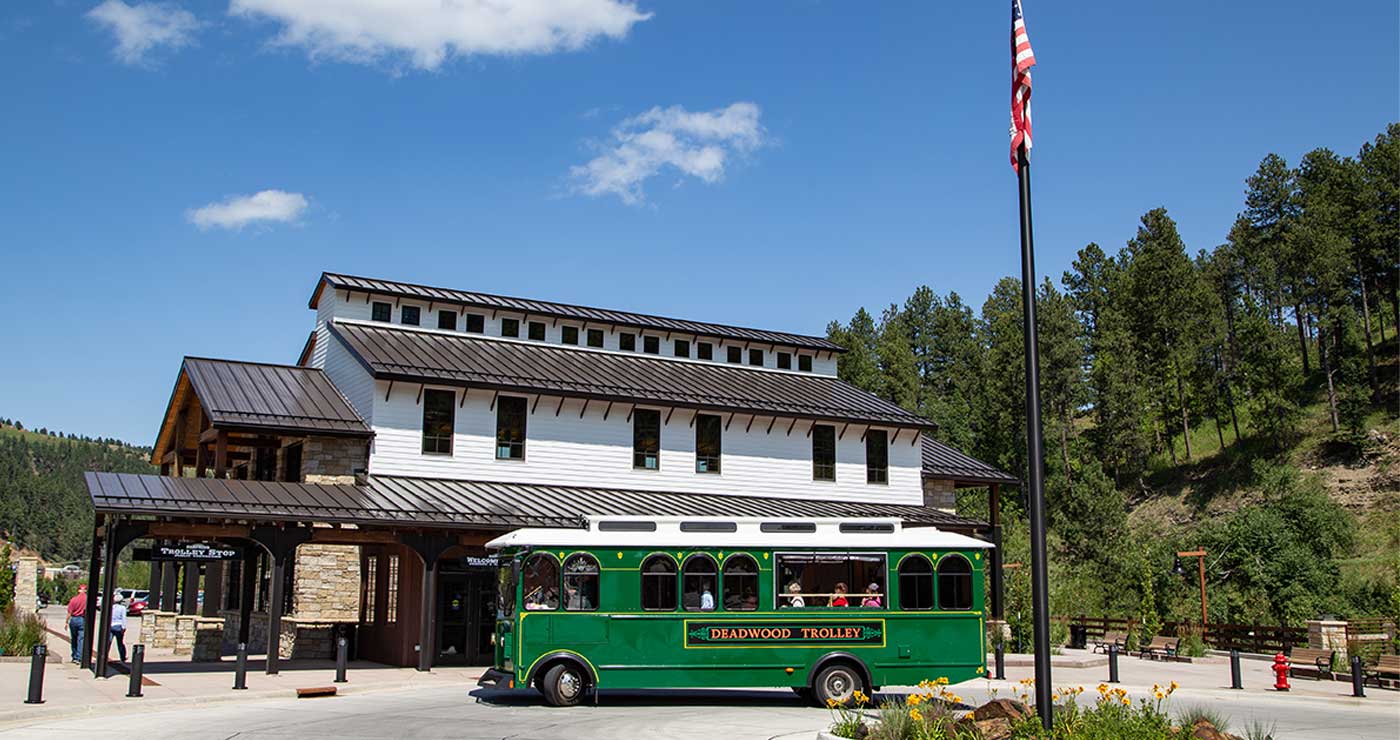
x=830, y=579
x=915, y=583
x=954, y=582
x=581, y=583
x=740, y=584
x=698, y=579
x=541, y=583
x=659, y=583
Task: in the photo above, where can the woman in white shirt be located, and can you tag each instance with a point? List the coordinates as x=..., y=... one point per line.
x=119, y=625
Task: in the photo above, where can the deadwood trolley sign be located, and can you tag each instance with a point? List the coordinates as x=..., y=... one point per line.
x=823, y=606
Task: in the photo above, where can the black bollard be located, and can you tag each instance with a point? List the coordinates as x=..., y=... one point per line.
x=138, y=661
x=36, y=675
x=341, y=656
x=1113, y=664
x=1358, y=679
x=240, y=671
x=1001, y=663
x=1235, y=682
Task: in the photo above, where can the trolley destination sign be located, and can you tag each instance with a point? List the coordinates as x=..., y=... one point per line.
x=776, y=633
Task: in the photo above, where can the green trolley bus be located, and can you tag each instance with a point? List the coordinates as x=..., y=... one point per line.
x=823, y=606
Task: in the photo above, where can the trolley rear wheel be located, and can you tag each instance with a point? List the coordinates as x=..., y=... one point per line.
x=563, y=685
x=838, y=682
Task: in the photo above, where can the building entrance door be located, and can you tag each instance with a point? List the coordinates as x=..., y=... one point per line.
x=466, y=617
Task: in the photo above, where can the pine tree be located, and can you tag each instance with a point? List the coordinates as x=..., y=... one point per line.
x=899, y=379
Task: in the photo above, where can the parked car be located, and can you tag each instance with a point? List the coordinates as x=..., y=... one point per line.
x=136, y=607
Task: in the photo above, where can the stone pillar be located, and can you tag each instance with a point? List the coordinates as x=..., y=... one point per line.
x=326, y=583
x=26, y=584
x=184, y=634
x=1326, y=634
x=938, y=494
x=208, y=639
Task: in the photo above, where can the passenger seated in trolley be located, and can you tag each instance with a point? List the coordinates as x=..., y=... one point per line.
x=839, y=598
x=795, y=599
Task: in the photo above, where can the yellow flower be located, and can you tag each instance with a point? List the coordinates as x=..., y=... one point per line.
x=1175, y=685
x=914, y=715
x=1103, y=688
x=1126, y=702
x=860, y=697
x=832, y=703
x=913, y=700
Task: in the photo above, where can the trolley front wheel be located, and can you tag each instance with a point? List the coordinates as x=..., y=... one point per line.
x=563, y=685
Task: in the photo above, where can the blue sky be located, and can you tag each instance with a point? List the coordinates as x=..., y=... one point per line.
x=774, y=164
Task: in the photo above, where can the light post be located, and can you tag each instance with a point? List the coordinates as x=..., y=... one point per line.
x=1177, y=568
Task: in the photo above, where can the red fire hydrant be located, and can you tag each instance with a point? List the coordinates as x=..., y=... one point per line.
x=1281, y=671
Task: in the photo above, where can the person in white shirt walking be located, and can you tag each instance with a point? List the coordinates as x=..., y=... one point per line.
x=119, y=625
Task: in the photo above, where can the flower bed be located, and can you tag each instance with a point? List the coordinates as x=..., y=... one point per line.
x=936, y=713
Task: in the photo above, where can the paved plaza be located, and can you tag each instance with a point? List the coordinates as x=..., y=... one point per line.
x=196, y=701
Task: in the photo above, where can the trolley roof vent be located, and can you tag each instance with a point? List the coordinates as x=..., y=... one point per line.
x=867, y=527
x=626, y=525
x=787, y=527
x=709, y=526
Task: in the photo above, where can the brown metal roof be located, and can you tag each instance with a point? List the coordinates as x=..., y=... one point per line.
x=567, y=311
x=454, y=504
x=395, y=353
x=942, y=461
x=280, y=398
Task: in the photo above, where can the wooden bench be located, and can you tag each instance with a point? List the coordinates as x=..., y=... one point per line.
x=1160, y=647
x=1111, y=638
x=1314, y=658
x=1388, y=666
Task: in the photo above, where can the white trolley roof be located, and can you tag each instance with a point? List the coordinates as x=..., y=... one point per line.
x=730, y=532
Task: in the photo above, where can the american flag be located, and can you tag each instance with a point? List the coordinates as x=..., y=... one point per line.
x=1022, y=59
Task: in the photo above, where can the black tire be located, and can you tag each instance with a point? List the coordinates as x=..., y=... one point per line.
x=839, y=682
x=563, y=685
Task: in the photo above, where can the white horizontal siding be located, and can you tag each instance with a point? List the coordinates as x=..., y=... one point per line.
x=588, y=451
x=349, y=376
x=333, y=304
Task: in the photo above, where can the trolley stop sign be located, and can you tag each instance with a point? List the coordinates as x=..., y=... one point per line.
x=783, y=633
x=203, y=551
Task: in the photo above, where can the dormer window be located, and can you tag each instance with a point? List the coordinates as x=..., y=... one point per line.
x=704, y=350
x=569, y=335
x=476, y=323
x=510, y=328
x=804, y=363
x=756, y=357
x=784, y=361
x=736, y=355
x=380, y=311
x=651, y=345
x=681, y=348
x=627, y=342
x=595, y=337
x=447, y=320
x=410, y=315
x=537, y=331
x=877, y=456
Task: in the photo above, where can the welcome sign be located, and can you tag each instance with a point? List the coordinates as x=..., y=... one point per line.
x=784, y=633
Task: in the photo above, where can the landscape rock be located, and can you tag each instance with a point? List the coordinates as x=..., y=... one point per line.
x=998, y=728
x=1204, y=730
x=1007, y=709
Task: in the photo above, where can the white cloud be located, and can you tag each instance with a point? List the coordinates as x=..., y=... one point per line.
x=239, y=211
x=142, y=27
x=427, y=32
x=697, y=144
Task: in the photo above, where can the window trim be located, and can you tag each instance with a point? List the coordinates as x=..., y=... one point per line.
x=804, y=363
x=719, y=445
x=938, y=585
x=564, y=334
x=704, y=351
x=602, y=338
x=388, y=312
x=564, y=583
x=443, y=313
x=714, y=573
x=508, y=321
x=816, y=470
x=784, y=360
x=933, y=582
x=530, y=327
x=651, y=344
x=478, y=318
x=624, y=338
x=734, y=355
x=451, y=420
x=642, y=582
x=680, y=348
x=558, y=581
x=417, y=315
x=877, y=476
x=524, y=425
x=636, y=419
x=757, y=354
x=756, y=575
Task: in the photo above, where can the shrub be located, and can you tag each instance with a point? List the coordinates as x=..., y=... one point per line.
x=1193, y=713
x=20, y=631
x=1191, y=642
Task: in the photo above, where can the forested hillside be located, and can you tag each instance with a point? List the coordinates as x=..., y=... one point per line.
x=44, y=505
x=1241, y=398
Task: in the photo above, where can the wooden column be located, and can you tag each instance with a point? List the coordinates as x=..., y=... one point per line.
x=153, y=586
x=221, y=455
x=201, y=459
x=109, y=582
x=213, y=589
x=430, y=549
x=281, y=545
x=89, y=616
x=249, y=575
x=170, y=583
x=189, y=592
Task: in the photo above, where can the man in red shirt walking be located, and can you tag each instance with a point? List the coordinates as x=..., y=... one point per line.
x=77, y=621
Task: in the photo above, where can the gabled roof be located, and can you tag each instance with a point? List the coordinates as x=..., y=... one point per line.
x=454, y=504
x=942, y=461
x=392, y=352
x=260, y=398
x=566, y=311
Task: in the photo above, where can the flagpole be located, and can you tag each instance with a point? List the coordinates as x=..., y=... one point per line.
x=1035, y=453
